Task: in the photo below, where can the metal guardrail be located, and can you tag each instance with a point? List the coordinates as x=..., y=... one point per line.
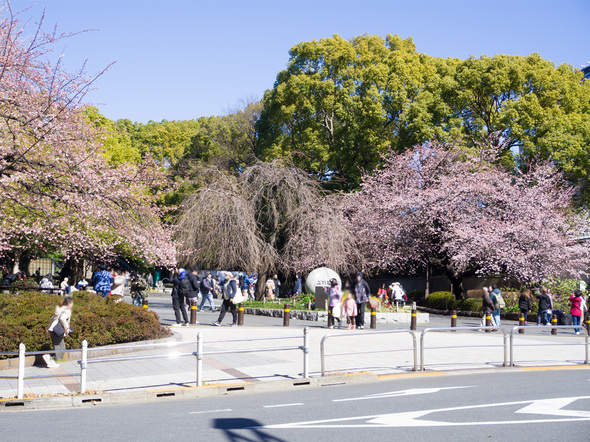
x=22, y=353
x=447, y=329
x=339, y=335
x=200, y=353
x=523, y=327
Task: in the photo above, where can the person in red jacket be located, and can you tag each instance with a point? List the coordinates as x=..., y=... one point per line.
x=577, y=299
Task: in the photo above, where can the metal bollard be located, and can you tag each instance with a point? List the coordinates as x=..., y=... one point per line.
x=453, y=318
x=286, y=315
x=330, y=318
x=83, y=366
x=199, y=355
x=144, y=303
x=305, y=353
x=193, y=319
x=521, y=323
x=20, y=385
x=414, y=318
x=241, y=313
x=554, y=322
x=488, y=323
x=373, y=317
x=588, y=322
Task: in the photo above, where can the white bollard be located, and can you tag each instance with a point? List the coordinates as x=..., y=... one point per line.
x=20, y=386
x=199, y=360
x=305, y=353
x=83, y=366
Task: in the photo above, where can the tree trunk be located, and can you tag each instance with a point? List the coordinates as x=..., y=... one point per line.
x=261, y=286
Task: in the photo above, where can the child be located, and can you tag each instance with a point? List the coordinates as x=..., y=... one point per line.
x=382, y=294
x=350, y=309
x=335, y=296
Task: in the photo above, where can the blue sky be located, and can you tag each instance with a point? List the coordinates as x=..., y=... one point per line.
x=182, y=59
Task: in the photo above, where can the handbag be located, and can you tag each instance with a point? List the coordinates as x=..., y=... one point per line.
x=238, y=297
x=59, y=329
x=337, y=311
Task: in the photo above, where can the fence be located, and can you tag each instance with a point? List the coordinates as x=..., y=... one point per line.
x=522, y=327
x=85, y=362
x=447, y=329
x=340, y=335
x=22, y=353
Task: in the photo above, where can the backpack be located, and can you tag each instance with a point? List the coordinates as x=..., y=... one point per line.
x=501, y=303
x=184, y=289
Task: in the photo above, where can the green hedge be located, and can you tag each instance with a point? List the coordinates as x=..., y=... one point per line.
x=447, y=301
x=440, y=300
x=25, y=318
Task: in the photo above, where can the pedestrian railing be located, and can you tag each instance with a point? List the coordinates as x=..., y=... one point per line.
x=452, y=329
x=85, y=362
x=20, y=377
x=323, y=353
x=200, y=353
x=545, y=344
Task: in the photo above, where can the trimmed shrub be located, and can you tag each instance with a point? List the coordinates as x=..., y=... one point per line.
x=468, y=305
x=440, y=300
x=415, y=295
x=26, y=316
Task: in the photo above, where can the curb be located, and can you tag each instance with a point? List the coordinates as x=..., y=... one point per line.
x=214, y=390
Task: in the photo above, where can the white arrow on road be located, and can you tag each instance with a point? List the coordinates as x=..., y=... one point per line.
x=551, y=407
x=411, y=392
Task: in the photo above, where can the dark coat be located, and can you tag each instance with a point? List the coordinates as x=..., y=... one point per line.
x=487, y=303
x=544, y=302
x=524, y=303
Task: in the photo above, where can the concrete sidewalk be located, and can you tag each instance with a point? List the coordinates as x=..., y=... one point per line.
x=454, y=351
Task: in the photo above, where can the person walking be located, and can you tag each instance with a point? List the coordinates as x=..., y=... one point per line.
x=139, y=289
x=195, y=286
x=277, y=282
x=297, y=287
x=544, y=310
x=576, y=299
x=207, y=286
x=59, y=328
x=350, y=310
x=178, y=300
x=361, y=292
x=102, y=281
x=231, y=297
x=335, y=302
x=499, y=304
x=245, y=285
x=524, y=304
x=488, y=306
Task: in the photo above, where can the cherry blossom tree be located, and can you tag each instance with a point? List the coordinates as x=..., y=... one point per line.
x=57, y=190
x=461, y=212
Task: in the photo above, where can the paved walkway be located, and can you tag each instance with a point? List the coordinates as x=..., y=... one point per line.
x=460, y=350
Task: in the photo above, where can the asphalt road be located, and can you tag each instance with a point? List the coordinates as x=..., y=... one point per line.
x=519, y=405
x=162, y=305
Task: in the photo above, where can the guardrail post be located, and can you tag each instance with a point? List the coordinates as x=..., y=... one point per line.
x=323, y=356
x=305, y=353
x=20, y=386
x=286, y=315
x=422, y=349
x=373, y=317
x=199, y=356
x=193, y=319
x=413, y=319
x=521, y=323
x=554, y=322
x=83, y=366
x=511, y=346
x=241, y=313
x=488, y=323
x=453, y=318
x=588, y=323
x=144, y=304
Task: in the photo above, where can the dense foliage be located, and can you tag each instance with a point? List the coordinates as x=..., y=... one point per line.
x=26, y=316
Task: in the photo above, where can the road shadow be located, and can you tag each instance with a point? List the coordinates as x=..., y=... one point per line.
x=247, y=430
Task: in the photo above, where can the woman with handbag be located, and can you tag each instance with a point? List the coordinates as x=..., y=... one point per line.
x=59, y=328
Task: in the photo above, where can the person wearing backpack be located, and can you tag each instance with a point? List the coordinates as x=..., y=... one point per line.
x=231, y=297
x=499, y=304
x=139, y=289
x=178, y=300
